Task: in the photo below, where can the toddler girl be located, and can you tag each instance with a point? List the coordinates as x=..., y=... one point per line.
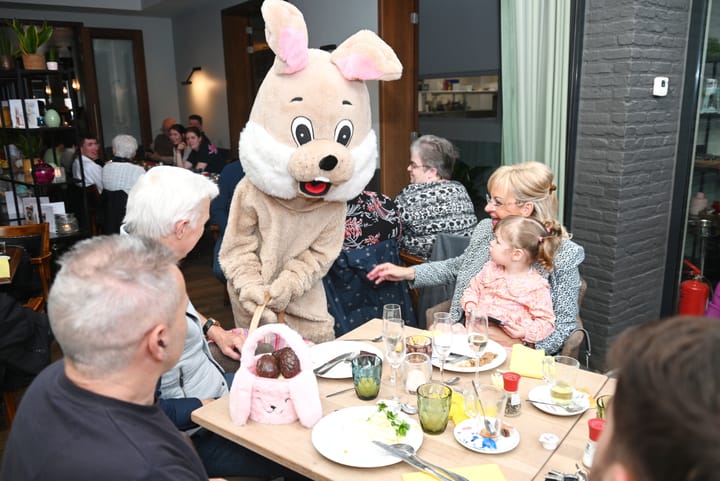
x=508, y=288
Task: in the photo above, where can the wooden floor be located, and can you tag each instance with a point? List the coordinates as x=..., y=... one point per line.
x=205, y=291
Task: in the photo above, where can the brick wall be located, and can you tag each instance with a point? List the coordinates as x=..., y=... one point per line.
x=626, y=146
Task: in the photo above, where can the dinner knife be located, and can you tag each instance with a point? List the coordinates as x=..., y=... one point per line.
x=323, y=368
x=412, y=461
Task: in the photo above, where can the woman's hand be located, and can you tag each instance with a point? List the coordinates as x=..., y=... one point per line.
x=390, y=272
x=181, y=146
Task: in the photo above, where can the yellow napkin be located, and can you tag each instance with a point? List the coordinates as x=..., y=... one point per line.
x=457, y=408
x=4, y=266
x=527, y=361
x=483, y=472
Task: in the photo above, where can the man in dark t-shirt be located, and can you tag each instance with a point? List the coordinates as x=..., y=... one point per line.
x=92, y=415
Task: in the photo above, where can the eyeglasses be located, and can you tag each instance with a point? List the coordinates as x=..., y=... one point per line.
x=496, y=203
x=416, y=166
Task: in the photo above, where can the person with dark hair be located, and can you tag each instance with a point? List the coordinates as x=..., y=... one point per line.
x=203, y=155
x=88, y=156
x=180, y=150
x=433, y=203
x=662, y=422
x=195, y=120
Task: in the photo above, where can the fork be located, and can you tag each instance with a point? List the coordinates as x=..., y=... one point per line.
x=370, y=339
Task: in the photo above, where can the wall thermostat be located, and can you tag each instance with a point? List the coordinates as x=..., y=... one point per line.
x=660, y=87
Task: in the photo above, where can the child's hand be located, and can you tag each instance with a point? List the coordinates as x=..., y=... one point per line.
x=514, y=330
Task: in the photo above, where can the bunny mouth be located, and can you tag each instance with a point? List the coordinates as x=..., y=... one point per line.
x=316, y=188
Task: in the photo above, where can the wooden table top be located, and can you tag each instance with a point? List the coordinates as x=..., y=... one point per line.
x=15, y=254
x=291, y=444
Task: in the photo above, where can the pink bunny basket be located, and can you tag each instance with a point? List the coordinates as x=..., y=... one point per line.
x=275, y=401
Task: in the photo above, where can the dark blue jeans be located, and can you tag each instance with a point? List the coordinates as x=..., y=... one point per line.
x=222, y=457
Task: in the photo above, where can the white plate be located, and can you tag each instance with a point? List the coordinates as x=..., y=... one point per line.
x=346, y=436
x=322, y=353
x=542, y=393
x=460, y=347
x=466, y=433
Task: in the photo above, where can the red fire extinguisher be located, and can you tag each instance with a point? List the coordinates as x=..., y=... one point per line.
x=694, y=293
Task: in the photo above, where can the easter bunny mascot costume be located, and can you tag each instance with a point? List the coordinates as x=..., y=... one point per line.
x=307, y=148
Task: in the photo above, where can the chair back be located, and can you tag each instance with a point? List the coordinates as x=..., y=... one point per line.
x=574, y=342
x=113, y=204
x=35, y=239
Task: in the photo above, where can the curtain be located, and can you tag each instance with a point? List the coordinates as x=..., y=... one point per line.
x=535, y=49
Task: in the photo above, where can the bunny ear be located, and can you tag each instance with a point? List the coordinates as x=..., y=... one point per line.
x=286, y=34
x=241, y=396
x=365, y=56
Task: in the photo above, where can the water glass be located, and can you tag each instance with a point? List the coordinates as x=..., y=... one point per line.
x=492, y=407
x=394, y=341
x=2, y=248
x=434, y=400
x=416, y=370
x=391, y=311
x=366, y=372
x=560, y=373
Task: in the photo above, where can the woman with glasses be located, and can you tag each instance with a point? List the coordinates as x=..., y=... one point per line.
x=528, y=190
x=432, y=203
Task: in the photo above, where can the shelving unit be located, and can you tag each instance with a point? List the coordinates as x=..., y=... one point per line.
x=46, y=87
x=458, y=103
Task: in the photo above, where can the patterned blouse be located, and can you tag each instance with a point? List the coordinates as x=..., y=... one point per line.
x=370, y=219
x=521, y=300
x=564, y=280
x=430, y=208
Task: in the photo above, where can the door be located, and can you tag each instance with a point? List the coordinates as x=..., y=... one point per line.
x=398, y=99
x=117, y=98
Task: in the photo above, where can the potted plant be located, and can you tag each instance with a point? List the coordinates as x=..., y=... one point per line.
x=30, y=39
x=7, y=52
x=52, y=63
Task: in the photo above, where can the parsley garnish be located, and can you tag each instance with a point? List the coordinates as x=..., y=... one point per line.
x=401, y=427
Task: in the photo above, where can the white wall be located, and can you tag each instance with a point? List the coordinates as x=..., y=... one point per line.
x=162, y=79
x=198, y=42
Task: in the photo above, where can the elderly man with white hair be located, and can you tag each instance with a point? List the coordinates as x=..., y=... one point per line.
x=120, y=173
x=172, y=205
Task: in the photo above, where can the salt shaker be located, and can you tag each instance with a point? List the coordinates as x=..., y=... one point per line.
x=510, y=384
x=596, y=426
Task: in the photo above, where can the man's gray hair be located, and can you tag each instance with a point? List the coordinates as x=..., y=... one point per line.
x=124, y=146
x=110, y=291
x=162, y=197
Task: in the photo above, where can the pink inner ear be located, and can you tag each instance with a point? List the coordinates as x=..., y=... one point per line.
x=293, y=49
x=358, y=67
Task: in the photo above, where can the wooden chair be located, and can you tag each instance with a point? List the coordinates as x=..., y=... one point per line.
x=35, y=239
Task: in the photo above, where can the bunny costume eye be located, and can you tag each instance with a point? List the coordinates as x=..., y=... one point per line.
x=344, y=132
x=302, y=130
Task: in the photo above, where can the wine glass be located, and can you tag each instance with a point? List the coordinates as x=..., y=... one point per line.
x=442, y=338
x=394, y=341
x=391, y=311
x=477, y=338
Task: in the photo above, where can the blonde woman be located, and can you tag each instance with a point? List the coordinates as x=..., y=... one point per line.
x=527, y=190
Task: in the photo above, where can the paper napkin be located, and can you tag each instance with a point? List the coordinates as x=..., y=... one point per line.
x=4, y=266
x=457, y=408
x=527, y=361
x=483, y=472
